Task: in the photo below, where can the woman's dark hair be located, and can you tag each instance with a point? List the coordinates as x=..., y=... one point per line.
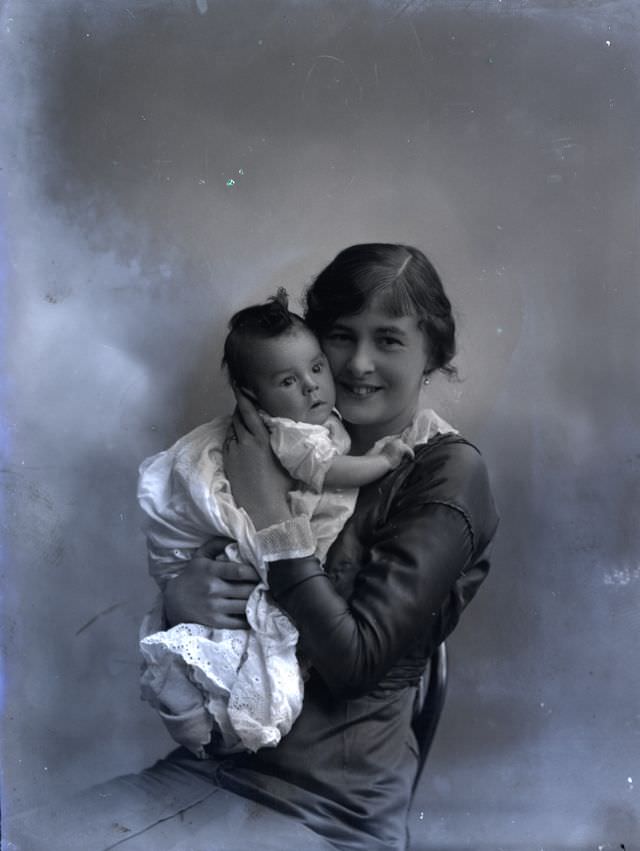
x=402, y=281
x=258, y=322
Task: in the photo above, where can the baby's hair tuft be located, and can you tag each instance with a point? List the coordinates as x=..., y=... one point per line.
x=257, y=322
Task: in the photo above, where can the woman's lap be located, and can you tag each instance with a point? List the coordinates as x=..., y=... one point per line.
x=176, y=805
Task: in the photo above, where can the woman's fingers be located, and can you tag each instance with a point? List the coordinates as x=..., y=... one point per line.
x=209, y=592
x=225, y=613
x=225, y=571
x=231, y=591
x=246, y=419
x=228, y=607
x=214, y=547
x=235, y=572
x=231, y=622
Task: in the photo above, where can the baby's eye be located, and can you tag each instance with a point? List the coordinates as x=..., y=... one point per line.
x=288, y=381
x=317, y=367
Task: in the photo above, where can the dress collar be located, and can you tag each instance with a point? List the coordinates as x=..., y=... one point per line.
x=425, y=425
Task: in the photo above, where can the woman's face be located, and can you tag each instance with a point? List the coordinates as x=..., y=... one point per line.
x=378, y=364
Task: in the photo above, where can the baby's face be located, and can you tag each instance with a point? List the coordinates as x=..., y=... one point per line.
x=291, y=377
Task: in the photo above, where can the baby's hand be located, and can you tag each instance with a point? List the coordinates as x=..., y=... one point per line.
x=396, y=451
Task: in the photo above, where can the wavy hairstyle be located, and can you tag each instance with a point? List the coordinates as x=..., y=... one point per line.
x=400, y=280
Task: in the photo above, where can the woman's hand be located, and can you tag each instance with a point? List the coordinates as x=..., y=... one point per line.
x=258, y=482
x=208, y=592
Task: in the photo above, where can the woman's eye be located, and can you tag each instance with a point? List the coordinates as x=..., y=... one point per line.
x=390, y=342
x=288, y=381
x=338, y=337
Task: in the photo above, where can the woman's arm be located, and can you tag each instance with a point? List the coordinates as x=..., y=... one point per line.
x=425, y=564
x=212, y=592
x=259, y=483
x=397, y=600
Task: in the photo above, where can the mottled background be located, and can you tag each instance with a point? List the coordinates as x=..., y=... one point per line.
x=165, y=163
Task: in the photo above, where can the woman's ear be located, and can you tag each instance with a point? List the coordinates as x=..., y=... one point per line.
x=428, y=354
x=428, y=368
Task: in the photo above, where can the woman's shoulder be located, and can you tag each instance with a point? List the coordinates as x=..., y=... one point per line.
x=450, y=470
x=450, y=452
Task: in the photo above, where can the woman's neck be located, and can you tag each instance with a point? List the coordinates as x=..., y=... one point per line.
x=364, y=436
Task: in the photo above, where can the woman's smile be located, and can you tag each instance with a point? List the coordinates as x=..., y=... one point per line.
x=359, y=389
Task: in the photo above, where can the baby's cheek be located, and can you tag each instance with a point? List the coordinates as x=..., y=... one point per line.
x=330, y=388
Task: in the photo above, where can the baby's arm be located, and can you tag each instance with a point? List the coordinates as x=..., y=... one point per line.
x=351, y=471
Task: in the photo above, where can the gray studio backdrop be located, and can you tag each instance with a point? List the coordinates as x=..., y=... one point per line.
x=166, y=163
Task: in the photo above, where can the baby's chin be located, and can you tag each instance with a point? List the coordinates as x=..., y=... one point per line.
x=317, y=415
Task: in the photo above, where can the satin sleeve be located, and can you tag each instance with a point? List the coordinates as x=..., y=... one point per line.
x=424, y=564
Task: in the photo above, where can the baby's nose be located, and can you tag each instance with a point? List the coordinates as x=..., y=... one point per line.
x=310, y=384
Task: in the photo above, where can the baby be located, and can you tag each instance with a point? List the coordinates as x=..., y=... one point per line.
x=246, y=685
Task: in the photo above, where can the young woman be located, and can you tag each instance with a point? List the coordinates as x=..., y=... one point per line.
x=395, y=582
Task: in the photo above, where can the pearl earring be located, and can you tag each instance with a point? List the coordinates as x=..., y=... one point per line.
x=425, y=380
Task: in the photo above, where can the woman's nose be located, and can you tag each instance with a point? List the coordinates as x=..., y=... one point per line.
x=361, y=361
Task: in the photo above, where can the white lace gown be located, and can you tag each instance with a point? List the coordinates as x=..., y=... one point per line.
x=242, y=689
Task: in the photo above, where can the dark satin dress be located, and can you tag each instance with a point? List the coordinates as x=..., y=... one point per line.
x=397, y=579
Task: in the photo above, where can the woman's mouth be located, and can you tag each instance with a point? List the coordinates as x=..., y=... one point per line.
x=360, y=390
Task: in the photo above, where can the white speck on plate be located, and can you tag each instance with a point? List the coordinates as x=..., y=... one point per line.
x=621, y=576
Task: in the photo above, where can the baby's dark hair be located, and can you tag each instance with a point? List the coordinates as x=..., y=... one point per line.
x=258, y=322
